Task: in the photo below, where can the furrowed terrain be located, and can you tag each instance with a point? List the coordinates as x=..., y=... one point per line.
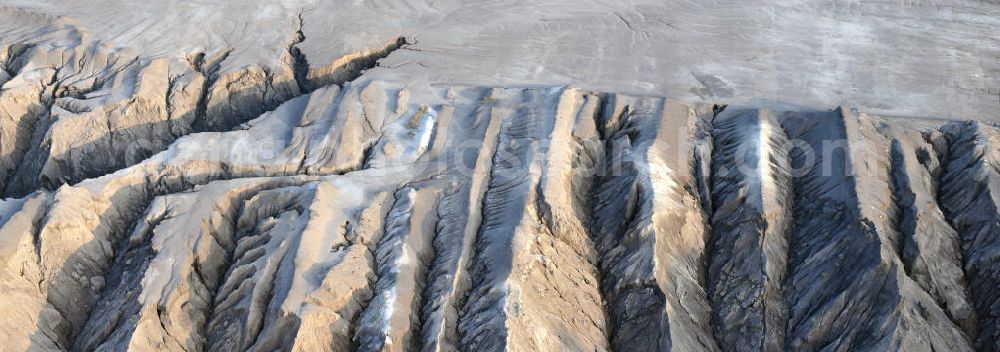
x=167, y=204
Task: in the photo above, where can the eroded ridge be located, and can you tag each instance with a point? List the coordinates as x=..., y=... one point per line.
x=378, y=216
x=77, y=109
x=752, y=209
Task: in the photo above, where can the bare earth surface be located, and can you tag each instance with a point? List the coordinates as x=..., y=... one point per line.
x=488, y=176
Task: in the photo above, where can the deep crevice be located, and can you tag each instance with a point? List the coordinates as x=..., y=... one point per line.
x=971, y=210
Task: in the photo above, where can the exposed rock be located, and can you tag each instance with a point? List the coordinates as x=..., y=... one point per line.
x=192, y=204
